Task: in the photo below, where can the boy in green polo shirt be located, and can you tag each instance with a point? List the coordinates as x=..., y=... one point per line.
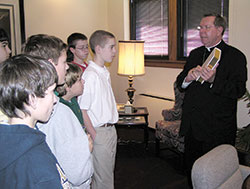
x=72, y=88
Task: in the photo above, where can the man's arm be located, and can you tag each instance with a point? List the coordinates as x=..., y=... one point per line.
x=231, y=76
x=191, y=70
x=193, y=74
x=88, y=124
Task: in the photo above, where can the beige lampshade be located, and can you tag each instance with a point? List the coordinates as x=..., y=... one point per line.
x=131, y=58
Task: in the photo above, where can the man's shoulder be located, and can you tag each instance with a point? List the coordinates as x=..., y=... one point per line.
x=198, y=49
x=233, y=50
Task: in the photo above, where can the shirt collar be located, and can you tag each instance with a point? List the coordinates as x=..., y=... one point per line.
x=209, y=48
x=97, y=67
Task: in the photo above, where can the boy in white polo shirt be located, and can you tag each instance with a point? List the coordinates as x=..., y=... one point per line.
x=99, y=109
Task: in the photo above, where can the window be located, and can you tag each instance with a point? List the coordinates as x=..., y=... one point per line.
x=152, y=26
x=194, y=11
x=168, y=27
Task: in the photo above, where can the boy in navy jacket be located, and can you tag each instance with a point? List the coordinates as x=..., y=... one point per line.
x=26, y=96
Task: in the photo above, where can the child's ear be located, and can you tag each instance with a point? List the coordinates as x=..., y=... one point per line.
x=97, y=49
x=33, y=101
x=51, y=61
x=67, y=88
x=72, y=50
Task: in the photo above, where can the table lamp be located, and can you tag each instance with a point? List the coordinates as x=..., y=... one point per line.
x=131, y=62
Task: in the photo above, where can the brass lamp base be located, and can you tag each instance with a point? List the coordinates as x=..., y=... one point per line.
x=130, y=90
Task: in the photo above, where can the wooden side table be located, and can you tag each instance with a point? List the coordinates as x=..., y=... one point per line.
x=139, y=118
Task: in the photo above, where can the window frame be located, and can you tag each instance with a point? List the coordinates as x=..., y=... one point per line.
x=172, y=60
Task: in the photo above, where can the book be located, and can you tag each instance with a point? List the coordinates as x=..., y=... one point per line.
x=211, y=62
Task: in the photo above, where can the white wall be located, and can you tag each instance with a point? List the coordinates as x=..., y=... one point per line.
x=156, y=81
x=62, y=17
x=239, y=28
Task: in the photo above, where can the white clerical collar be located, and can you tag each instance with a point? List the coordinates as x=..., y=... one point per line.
x=208, y=48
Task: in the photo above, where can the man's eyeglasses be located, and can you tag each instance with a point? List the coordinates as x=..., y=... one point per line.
x=206, y=27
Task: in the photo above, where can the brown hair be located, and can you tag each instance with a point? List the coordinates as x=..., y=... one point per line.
x=3, y=35
x=45, y=46
x=99, y=37
x=73, y=74
x=72, y=40
x=20, y=77
x=219, y=21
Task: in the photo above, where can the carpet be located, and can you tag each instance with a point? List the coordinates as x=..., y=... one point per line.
x=137, y=168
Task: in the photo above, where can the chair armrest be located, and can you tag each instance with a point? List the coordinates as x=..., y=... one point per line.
x=172, y=114
x=245, y=171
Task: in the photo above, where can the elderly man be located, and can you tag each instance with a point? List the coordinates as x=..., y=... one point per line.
x=209, y=109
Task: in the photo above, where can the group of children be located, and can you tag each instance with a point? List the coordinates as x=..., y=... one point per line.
x=61, y=113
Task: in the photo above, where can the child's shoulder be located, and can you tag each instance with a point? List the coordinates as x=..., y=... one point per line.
x=27, y=152
x=62, y=115
x=63, y=125
x=90, y=73
x=94, y=70
x=64, y=118
x=42, y=159
x=3, y=118
x=62, y=111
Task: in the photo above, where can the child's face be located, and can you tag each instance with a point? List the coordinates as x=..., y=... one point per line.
x=108, y=52
x=81, y=50
x=4, y=51
x=61, y=67
x=77, y=88
x=45, y=104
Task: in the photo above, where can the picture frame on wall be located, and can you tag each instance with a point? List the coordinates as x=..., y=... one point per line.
x=10, y=22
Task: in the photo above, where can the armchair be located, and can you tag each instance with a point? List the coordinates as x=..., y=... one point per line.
x=219, y=168
x=167, y=130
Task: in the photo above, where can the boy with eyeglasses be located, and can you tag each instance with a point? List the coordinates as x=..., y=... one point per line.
x=4, y=54
x=78, y=50
x=4, y=45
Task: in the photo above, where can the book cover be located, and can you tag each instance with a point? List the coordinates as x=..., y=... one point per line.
x=211, y=61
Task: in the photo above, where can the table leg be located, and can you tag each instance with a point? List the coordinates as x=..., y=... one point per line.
x=146, y=136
